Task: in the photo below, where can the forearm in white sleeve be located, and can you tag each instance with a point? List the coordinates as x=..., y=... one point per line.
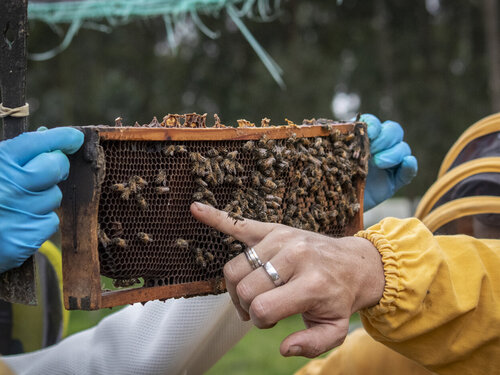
x=183, y=336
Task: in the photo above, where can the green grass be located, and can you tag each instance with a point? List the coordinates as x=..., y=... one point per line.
x=258, y=352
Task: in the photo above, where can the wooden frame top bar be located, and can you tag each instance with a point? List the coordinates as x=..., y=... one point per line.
x=128, y=133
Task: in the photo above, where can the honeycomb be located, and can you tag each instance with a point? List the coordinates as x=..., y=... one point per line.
x=145, y=226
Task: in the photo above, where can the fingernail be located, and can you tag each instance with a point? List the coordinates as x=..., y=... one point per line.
x=294, y=350
x=199, y=206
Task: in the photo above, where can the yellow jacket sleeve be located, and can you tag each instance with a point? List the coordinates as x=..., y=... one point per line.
x=441, y=303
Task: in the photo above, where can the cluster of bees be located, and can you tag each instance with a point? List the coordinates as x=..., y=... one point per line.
x=306, y=183
x=132, y=187
x=194, y=120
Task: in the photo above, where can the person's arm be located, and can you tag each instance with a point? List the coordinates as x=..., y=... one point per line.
x=441, y=302
x=178, y=336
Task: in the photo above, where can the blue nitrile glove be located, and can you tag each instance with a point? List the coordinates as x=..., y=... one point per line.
x=30, y=167
x=391, y=165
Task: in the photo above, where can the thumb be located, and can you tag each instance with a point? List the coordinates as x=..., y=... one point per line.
x=28, y=145
x=315, y=340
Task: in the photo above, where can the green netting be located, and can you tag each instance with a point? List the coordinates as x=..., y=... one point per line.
x=104, y=14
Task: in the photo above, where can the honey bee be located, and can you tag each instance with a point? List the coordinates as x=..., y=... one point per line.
x=125, y=283
x=198, y=170
x=219, y=285
x=245, y=123
x=282, y=165
x=160, y=190
x=140, y=181
x=103, y=238
x=180, y=148
x=228, y=240
x=200, y=259
x=249, y=146
x=119, y=242
x=291, y=209
x=274, y=198
x=301, y=191
x=239, y=167
x=201, y=182
x=161, y=179
x=132, y=185
x=235, y=216
x=290, y=123
x=261, y=153
x=209, y=256
x=273, y=204
x=214, y=233
x=262, y=215
x=232, y=155
x=265, y=122
x=144, y=237
x=169, y=150
x=182, y=243
x=349, y=137
x=273, y=218
x=213, y=153
x=119, y=187
x=141, y=201
x=235, y=247
x=268, y=183
x=229, y=165
x=126, y=194
x=198, y=196
x=263, y=141
x=118, y=121
x=318, y=141
x=218, y=123
x=116, y=229
x=291, y=140
x=197, y=157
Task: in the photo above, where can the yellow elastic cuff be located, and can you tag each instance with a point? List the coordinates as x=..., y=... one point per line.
x=391, y=272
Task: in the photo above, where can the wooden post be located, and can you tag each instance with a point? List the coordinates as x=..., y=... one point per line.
x=17, y=285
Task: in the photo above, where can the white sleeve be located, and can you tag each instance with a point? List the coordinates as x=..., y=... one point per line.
x=183, y=336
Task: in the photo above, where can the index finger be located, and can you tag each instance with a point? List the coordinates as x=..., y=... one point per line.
x=29, y=145
x=248, y=231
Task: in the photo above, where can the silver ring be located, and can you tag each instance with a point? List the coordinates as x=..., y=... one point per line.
x=273, y=274
x=253, y=258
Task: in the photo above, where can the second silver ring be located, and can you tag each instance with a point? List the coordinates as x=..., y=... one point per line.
x=273, y=274
x=253, y=258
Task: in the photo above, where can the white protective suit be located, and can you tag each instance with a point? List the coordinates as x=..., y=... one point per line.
x=183, y=336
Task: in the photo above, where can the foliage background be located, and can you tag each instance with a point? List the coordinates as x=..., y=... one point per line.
x=422, y=63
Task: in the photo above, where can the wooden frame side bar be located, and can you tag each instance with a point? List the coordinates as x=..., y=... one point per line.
x=81, y=274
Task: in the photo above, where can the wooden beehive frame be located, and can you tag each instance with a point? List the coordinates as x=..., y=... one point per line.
x=79, y=219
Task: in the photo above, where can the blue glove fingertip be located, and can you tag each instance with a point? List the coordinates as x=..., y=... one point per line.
x=71, y=138
x=373, y=125
x=406, y=172
x=392, y=157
